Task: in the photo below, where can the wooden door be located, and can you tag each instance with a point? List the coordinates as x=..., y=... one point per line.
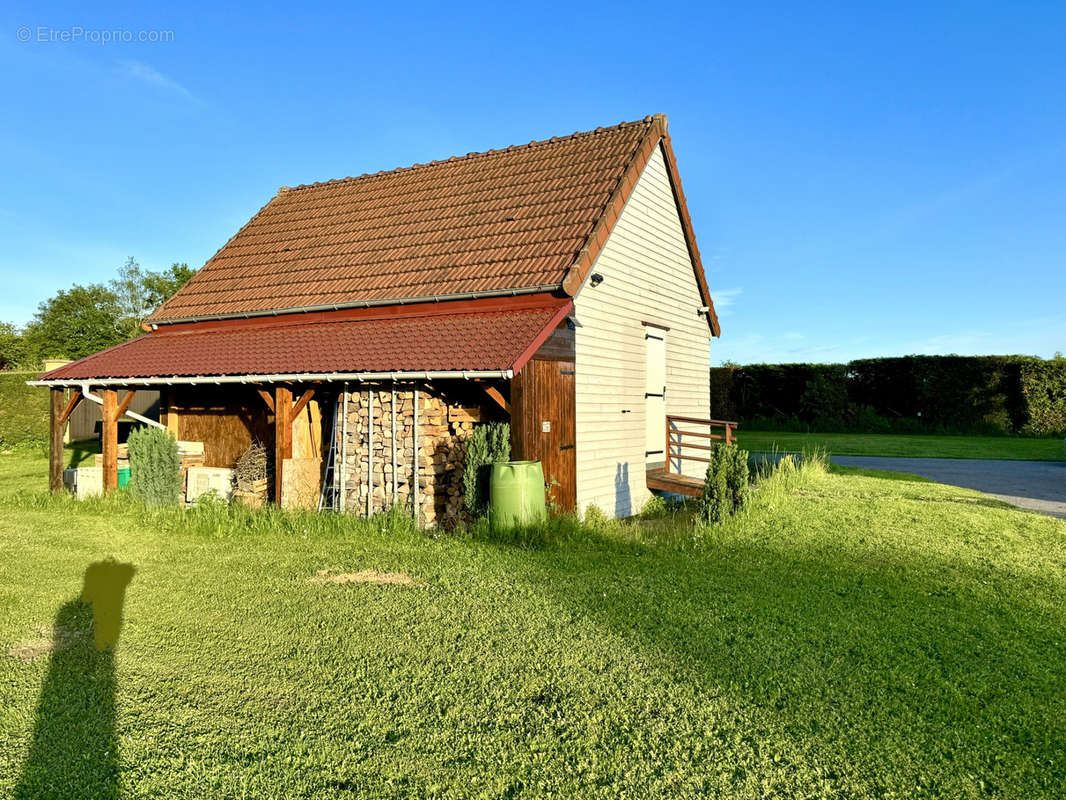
x=655, y=395
x=542, y=425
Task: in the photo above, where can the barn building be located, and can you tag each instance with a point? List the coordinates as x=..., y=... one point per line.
x=361, y=328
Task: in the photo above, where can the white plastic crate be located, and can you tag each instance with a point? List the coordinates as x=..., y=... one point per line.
x=84, y=481
x=201, y=480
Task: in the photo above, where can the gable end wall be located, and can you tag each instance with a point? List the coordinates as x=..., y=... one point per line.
x=648, y=277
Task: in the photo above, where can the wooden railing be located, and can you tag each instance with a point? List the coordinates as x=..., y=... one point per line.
x=702, y=430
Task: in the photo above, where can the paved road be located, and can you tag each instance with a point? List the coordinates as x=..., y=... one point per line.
x=1032, y=485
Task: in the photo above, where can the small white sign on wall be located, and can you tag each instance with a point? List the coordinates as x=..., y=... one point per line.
x=546, y=426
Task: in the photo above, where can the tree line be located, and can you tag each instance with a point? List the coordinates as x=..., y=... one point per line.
x=83, y=319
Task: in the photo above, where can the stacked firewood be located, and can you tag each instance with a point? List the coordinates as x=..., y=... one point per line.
x=443, y=431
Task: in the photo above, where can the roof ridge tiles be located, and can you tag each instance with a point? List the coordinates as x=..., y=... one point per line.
x=646, y=121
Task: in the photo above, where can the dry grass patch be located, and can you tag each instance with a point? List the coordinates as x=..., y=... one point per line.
x=364, y=576
x=46, y=643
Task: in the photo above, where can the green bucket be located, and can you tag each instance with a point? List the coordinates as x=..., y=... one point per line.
x=516, y=494
x=123, y=476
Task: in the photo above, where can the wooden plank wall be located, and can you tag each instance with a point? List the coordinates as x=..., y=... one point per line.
x=226, y=419
x=543, y=392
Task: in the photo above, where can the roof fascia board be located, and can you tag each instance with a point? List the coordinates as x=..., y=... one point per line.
x=690, y=234
x=597, y=238
x=657, y=136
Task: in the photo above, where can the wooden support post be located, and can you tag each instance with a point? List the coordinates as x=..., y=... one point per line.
x=169, y=413
x=55, y=450
x=75, y=398
x=496, y=396
x=125, y=404
x=667, y=451
x=370, y=453
x=266, y=397
x=303, y=401
x=109, y=445
x=416, y=499
x=282, y=435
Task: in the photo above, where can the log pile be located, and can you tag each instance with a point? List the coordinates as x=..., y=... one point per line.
x=443, y=433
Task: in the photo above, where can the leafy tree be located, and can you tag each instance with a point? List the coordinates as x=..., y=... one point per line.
x=159, y=286
x=76, y=322
x=84, y=319
x=140, y=292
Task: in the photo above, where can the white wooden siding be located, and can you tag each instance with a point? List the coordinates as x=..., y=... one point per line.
x=648, y=277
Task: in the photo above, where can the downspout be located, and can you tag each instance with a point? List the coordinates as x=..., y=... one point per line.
x=127, y=413
x=344, y=452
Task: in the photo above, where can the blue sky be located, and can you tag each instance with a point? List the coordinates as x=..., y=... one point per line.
x=881, y=180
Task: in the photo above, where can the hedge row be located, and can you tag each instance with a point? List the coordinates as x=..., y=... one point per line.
x=911, y=394
x=23, y=411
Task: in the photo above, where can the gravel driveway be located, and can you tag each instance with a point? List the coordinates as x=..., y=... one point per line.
x=1032, y=485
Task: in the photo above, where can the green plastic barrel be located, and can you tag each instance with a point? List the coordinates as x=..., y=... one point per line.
x=516, y=494
x=123, y=476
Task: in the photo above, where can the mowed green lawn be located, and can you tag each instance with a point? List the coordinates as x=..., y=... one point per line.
x=881, y=444
x=849, y=636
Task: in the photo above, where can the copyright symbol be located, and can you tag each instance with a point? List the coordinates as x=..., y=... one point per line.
x=23, y=34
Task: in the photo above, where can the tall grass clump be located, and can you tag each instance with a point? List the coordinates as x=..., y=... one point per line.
x=490, y=443
x=155, y=467
x=775, y=479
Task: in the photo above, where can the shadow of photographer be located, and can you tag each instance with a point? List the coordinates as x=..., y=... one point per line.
x=74, y=751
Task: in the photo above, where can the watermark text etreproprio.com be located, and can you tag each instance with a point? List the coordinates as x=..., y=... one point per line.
x=78, y=33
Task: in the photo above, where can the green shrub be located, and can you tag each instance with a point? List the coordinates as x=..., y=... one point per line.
x=155, y=468
x=490, y=443
x=726, y=487
x=717, y=500
x=738, y=477
x=595, y=519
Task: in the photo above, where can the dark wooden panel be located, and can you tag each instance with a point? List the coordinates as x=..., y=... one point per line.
x=559, y=346
x=543, y=393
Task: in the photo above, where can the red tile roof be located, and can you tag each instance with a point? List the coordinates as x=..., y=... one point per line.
x=480, y=335
x=526, y=218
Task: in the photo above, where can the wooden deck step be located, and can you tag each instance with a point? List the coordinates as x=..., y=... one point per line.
x=661, y=481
